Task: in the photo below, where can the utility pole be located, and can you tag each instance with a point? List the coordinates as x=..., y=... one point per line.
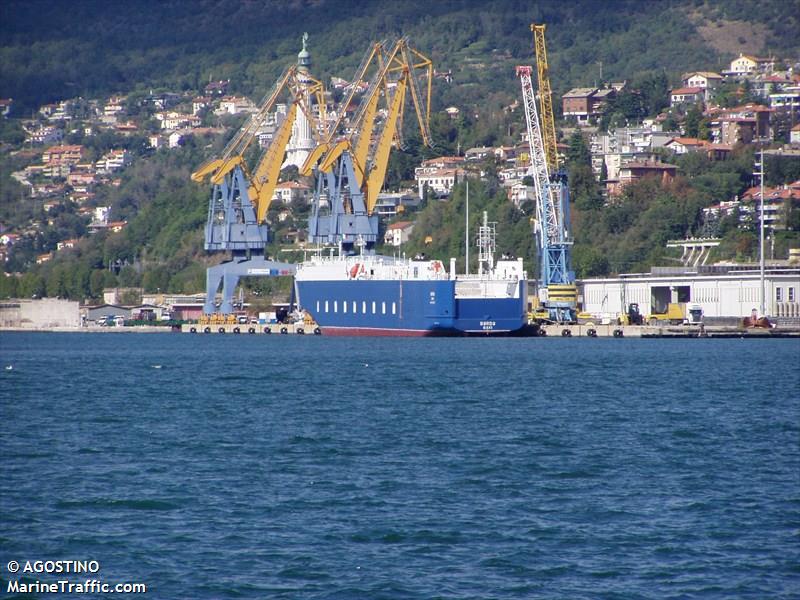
x=761, y=239
x=466, y=235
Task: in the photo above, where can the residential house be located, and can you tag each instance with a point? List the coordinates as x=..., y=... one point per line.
x=439, y=181
x=718, y=151
x=176, y=120
x=510, y=175
x=787, y=99
x=794, y=134
x=56, y=112
x=46, y=191
x=706, y=80
x=766, y=85
x=200, y=103
x=452, y=112
x=127, y=128
x=398, y=233
x=67, y=244
x=776, y=200
x=101, y=214
x=686, y=95
x=114, y=160
x=520, y=193
x=81, y=181
x=175, y=138
x=623, y=145
x=636, y=170
x=389, y=204
x=68, y=154
x=479, y=153
x=586, y=103
x=746, y=64
x=291, y=192
x=741, y=125
x=684, y=145
x=233, y=105
x=506, y=153
x=117, y=226
x=114, y=106
x=441, y=162
x=721, y=210
x=46, y=135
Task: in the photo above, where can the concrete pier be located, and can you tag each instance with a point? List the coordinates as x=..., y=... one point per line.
x=253, y=329
x=666, y=331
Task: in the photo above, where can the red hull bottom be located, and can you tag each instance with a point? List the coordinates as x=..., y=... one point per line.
x=379, y=332
x=386, y=332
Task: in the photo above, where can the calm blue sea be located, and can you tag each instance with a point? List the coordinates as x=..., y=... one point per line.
x=311, y=467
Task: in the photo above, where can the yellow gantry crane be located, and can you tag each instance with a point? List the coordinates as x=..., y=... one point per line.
x=350, y=163
x=243, y=183
x=395, y=72
x=263, y=176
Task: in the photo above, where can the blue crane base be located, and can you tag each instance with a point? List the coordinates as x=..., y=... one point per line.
x=229, y=274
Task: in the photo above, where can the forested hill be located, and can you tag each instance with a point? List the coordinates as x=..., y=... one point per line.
x=52, y=50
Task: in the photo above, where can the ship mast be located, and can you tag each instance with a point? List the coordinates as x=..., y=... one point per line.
x=486, y=246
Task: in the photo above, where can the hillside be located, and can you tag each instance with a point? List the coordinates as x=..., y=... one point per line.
x=51, y=50
x=91, y=49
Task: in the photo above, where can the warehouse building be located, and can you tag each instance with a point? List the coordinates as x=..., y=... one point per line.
x=722, y=292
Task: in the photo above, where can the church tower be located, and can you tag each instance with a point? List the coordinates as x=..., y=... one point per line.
x=302, y=142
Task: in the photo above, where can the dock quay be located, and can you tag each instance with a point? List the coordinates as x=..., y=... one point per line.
x=253, y=329
x=666, y=331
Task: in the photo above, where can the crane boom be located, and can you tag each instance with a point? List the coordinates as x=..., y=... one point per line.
x=265, y=177
x=540, y=172
x=223, y=164
x=381, y=161
x=545, y=98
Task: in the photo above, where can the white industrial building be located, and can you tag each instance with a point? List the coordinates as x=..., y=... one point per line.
x=720, y=291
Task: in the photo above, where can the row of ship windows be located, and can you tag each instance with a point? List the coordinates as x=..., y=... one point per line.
x=328, y=306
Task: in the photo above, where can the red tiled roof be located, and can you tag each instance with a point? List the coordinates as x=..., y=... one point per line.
x=687, y=141
x=687, y=90
x=399, y=225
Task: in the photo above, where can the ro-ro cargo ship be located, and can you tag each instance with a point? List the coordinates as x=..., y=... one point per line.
x=396, y=296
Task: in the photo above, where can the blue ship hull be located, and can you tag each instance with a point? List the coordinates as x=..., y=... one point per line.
x=409, y=307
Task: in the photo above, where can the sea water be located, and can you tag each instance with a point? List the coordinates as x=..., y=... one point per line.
x=211, y=466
